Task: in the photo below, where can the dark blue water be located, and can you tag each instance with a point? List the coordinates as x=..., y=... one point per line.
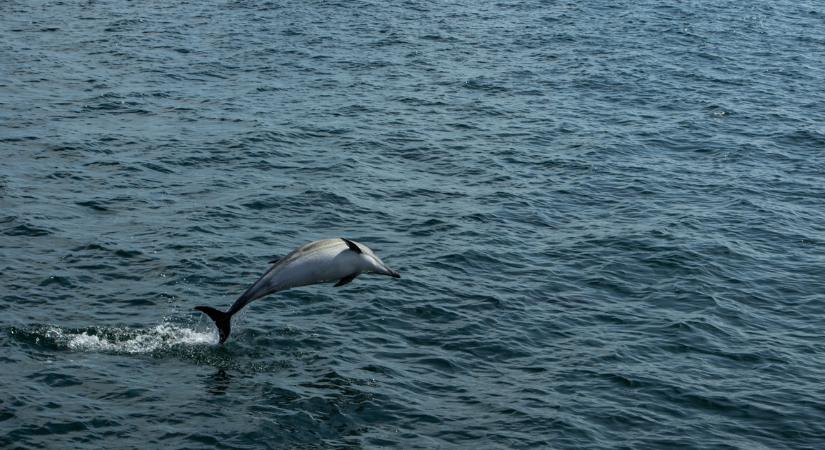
x=609, y=218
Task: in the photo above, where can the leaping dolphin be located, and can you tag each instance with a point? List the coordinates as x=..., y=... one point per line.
x=316, y=262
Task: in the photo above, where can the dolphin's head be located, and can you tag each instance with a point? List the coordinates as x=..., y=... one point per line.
x=374, y=263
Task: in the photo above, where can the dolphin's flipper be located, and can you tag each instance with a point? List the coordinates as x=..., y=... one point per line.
x=347, y=279
x=222, y=321
x=352, y=245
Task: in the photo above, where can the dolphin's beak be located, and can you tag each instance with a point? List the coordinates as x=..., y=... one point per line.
x=384, y=270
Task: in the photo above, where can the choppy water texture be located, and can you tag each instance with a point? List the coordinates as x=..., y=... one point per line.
x=608, y=217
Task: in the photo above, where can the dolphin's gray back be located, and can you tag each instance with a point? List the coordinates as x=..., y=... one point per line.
x=264, y=285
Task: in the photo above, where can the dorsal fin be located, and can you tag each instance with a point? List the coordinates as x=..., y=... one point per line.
x=274, y=259
x=351, y=245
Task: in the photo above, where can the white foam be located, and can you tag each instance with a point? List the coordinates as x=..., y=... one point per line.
x=127, y=340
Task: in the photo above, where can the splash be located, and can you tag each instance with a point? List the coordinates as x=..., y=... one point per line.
x=129, y=340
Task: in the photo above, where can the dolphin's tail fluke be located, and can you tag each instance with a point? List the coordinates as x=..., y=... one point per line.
x=222, y=320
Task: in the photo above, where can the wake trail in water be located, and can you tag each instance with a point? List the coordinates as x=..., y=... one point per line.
x=122, y=340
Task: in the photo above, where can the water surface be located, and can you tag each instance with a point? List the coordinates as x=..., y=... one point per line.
x=608, y=218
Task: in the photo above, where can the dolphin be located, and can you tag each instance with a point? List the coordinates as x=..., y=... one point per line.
x=316, y=262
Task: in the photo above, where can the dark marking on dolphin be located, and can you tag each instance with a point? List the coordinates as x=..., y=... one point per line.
x=352, y=245
x=347, y=279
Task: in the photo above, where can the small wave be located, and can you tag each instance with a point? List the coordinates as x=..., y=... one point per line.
x=120, y=340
